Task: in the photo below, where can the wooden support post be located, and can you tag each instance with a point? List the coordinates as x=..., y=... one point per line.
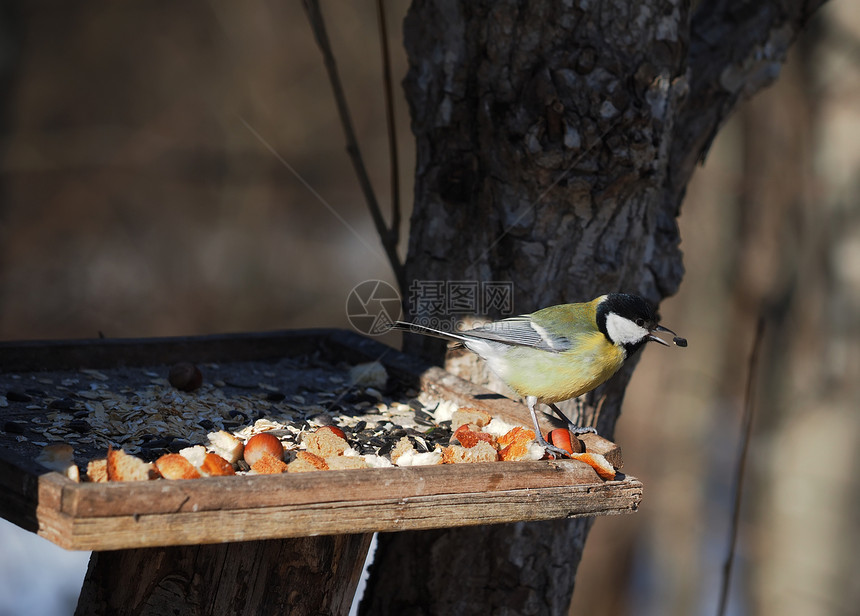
x=308, y=575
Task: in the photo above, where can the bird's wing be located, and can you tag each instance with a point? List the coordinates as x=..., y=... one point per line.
x=520, y=331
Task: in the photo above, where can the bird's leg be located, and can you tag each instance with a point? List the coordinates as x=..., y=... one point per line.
x=531, y=401
x=572, y=427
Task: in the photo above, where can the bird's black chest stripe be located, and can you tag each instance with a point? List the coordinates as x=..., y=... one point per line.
x=602, y=312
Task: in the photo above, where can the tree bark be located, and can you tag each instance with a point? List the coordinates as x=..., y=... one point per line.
x=554, y=145
x=303, y=576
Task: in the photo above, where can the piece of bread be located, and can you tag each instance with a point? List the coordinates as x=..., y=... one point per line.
x=519, y=444
x=216, y=466
x=338, y=463
x=336, y=430
x=324, y=443
x=403, y=446
x=516, y=435
x=60, y=457
x=306, y=461
x=226, y=445
x=481, y=452
x=125, y=467
x=594, y=443
x=425, y=458
x=195, y=454
x=313, y=458
x=97, y=470
x=300, y=465
x=598, y=463
x=267, y=464
x=376, y=461
x=498, y=427
x=514, y=452
x=175, y=466
x=469, y=415
x=468, y=437
x=371, y=374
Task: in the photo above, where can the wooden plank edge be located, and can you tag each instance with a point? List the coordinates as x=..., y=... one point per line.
x=260, y=491
x=414, y=513
x=40, y=355
x=102, y=353
x=22, y=493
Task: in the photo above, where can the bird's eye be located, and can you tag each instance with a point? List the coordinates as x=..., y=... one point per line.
x=640, y=322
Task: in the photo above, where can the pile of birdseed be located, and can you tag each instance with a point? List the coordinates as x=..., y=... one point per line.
x=138, y=410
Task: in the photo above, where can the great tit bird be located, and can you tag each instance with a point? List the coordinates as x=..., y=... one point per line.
x=560, y=352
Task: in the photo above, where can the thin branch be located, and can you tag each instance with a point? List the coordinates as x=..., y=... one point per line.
x=317, y=23
x=390, y=124
x=749, y=409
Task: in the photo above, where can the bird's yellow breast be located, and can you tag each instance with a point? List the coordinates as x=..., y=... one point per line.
x=553, y=377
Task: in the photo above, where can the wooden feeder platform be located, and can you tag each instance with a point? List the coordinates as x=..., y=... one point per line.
x=256, y=543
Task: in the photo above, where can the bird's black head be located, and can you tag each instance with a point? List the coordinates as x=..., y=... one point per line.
x=628, y=321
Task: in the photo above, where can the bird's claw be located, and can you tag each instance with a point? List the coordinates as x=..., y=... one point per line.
x=579, y=430
x=553, y=450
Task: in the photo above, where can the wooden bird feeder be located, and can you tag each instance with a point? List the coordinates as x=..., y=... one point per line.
x=249, y=544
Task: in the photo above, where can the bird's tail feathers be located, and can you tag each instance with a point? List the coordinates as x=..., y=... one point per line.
x=414, y=328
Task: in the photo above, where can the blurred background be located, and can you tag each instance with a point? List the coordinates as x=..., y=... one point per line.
x=150, y=157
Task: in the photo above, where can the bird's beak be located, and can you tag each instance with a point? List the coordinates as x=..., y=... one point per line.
x=681, y=342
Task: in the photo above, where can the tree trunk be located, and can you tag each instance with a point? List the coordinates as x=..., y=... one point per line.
x=301, y=576
x=554, y=145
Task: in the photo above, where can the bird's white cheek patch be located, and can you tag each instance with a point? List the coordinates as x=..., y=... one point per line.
x=624, y=331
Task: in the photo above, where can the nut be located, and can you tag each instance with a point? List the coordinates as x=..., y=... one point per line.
x=185, y=376
x=259, y=444
x=561, y=438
